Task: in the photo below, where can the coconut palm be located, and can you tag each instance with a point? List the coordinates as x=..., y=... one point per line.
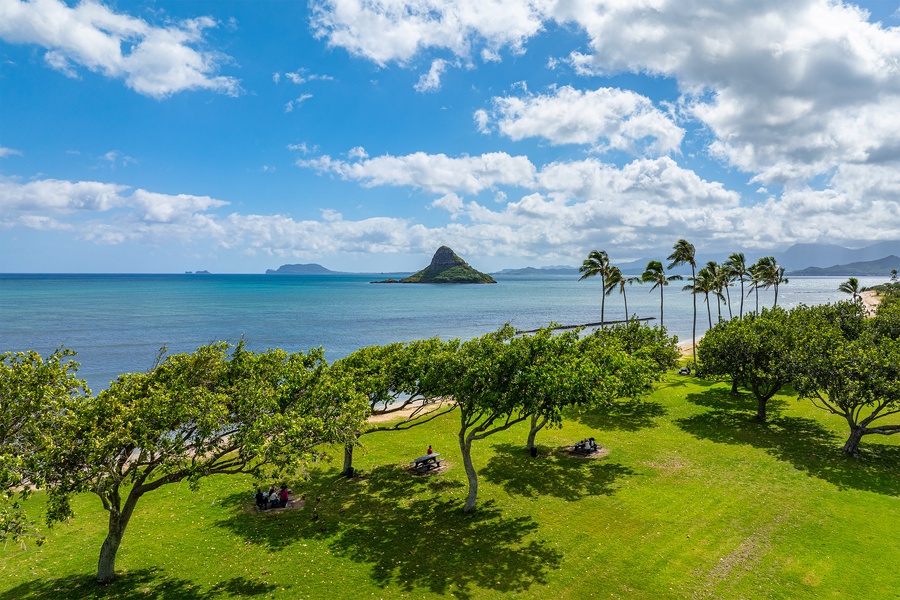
x=616, y=279
x=771, y=275
x=894, y=276
x=717, y=283
x=656, y=274
x=851, y=286
x=597, y=263
x=704, y=283
x=736, y=267
x=684, y=253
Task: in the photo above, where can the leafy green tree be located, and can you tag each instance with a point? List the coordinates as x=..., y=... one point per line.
x=755, y=352
x=32, y=391
x=597, y=263
x=394, y=378
x=857, y=379
x=643, y=342
x=192, y=416
x=684, y=253
x=736, y=268
x=851, y=286
x=654, y=273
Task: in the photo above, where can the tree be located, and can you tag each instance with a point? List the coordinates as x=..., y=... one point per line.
x=770, y=275
x=894, y=276
x=192, y=416
x=851, y=286
x=736, y=268
x=597, y=263
x=655, y=273
x=32, y=391
x=857, y=379
x=479, y=375
x=617, y=279
x=393, y=378
x=684, y=253
x=754, y=352
x=704, y=283
x=562, y=370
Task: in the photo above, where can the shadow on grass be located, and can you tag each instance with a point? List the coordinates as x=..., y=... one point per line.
x=743, y=401
x=561, y=476
x=413, y=534
x=621, y=415
x=802, y=442
x=145, y=583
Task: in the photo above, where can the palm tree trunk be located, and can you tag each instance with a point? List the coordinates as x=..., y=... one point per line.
x=625, y=297
x=660, y=306
x=602, y=300
x=742, y=298
x=694, y=329
x=728, y=303
x=708, y=311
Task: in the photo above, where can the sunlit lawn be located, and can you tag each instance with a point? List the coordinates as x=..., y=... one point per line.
x=694, y=499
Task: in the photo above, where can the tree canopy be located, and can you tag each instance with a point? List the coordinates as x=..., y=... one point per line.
x=194, y=415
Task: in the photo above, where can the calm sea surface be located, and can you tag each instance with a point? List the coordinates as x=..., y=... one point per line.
x=117, y=323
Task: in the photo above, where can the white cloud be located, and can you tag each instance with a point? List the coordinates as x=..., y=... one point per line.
x=161, y=61
x=432, y=172
x=396, y=30
x=431, y=81
x=606, y=118
x=303, y=76
x=4, y=152
x=297, y=103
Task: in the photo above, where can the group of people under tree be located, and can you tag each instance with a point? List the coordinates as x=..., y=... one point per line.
x=274, y=498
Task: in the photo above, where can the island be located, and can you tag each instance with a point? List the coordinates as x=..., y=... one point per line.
x=445, y=267
x=310, y=269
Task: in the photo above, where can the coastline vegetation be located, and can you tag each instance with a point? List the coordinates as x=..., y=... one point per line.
x=663, y=513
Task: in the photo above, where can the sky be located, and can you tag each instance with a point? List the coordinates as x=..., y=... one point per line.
x=235, y=135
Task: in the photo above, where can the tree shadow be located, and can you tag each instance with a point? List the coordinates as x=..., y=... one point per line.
x=800, y=441
x=557, y=475
x=622, y=416
x=413, y=534
x=743, y=401
x=144, y=583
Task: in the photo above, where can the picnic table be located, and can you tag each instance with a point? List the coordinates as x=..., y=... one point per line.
x=429, y=461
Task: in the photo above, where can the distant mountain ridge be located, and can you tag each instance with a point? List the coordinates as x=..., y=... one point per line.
x=882, y=266
x=307, y=269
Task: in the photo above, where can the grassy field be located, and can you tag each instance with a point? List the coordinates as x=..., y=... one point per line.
x=694, y=500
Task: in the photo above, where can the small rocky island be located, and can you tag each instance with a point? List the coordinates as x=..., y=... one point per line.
x=445, y=267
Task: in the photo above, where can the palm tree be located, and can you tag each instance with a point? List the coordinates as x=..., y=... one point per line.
x=894, y=276
x=716, y=284
x=704, y=283
x=616, y=279
x=736, y=267
x=851, y=286
x=771, y=275
x=655, y=273
x=684, y=253
x=756, y=277
x=597, y=263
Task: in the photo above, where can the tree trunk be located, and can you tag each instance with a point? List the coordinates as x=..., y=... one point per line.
x=532, y=433
x=734, y=386
x=348, y=461
x=741, y=315
x=728, y=303
x=852, y=445
x=625, y=298
x=694, y=327
x=761, y=409
x=118, y=521
x=465, y=447
x=661, y=306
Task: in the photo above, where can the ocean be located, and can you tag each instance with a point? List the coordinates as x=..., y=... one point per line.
x=118, y=323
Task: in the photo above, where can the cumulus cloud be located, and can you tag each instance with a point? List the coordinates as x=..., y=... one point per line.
x=606, y=118
x=160, y=61
x=431, y=172
x=4, y=152
x=396, y=30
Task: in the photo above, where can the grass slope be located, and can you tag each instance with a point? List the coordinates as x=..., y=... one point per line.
x=694, y=500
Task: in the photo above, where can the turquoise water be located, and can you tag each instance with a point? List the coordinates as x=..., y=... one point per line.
x=117, y=323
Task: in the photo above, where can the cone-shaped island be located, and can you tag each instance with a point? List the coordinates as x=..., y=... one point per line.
x=445, y=267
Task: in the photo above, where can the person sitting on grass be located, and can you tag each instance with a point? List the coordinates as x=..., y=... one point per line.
x=283, y=495
x=260, y=499
x=273, y=498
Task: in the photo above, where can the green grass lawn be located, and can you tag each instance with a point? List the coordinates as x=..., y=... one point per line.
x=694, y=500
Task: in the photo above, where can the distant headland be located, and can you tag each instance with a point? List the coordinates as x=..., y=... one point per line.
x=309, y=269
x=445, y=267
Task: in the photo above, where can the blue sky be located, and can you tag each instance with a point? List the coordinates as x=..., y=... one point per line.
x=236, y=136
